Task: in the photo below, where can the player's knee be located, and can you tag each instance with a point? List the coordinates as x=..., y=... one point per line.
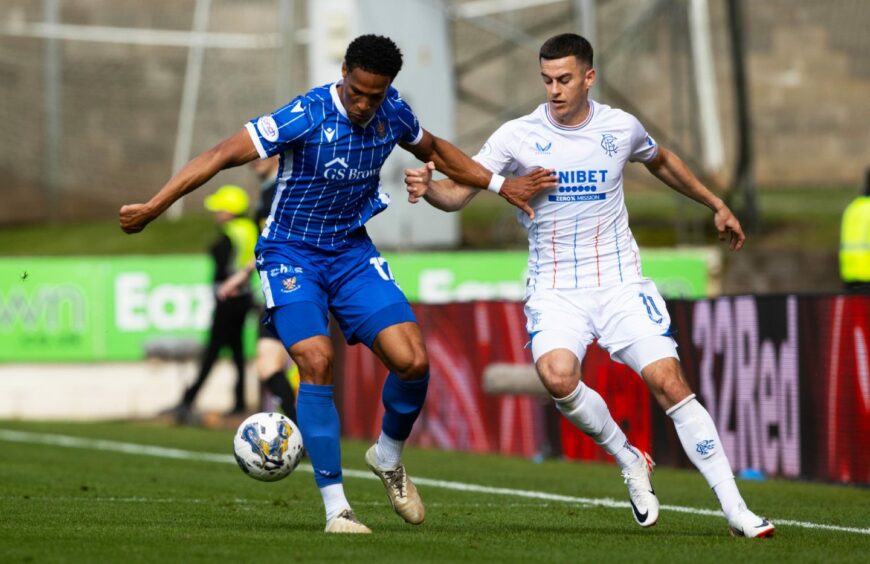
x=418, y=368
x=413, y=366
x=558, y=374
x=315, y=365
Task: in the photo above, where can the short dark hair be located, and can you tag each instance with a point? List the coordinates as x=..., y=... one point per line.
x=375, y=54
x=565, y=45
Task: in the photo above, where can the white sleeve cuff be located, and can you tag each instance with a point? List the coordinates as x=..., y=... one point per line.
x=418, y=138
x=255, y=137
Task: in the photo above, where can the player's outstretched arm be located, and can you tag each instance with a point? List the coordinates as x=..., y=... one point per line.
x=670, y=169
x=232, y=151
x=464, y=170
x=444, y=194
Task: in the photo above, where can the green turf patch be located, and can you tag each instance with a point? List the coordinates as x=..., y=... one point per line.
x=790, y=218
x=86, y=505
x=191, y=234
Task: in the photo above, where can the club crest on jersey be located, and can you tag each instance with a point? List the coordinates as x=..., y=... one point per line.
x=608, y=143
x=289, y=285
x=381, y=129
x=543, y=148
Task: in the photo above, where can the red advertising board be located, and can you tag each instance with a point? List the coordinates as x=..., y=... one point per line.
x=785, y=378
x=462, y=339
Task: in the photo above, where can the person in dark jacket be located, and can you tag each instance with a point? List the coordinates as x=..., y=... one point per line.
x=231, y=252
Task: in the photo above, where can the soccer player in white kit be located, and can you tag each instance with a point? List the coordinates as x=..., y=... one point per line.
x=585, y=280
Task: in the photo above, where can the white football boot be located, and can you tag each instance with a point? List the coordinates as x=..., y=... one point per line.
x=748, y=524
x=346, y=522
x=644, y=503
x=400, y=489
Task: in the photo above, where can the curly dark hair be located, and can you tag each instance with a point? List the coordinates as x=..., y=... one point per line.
x=375, y=54
x=565, y=45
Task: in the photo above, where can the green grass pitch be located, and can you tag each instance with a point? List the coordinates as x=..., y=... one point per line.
x=91, y=502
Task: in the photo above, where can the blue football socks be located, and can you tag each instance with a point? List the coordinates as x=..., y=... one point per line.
x=318, y=422
x=403, y=400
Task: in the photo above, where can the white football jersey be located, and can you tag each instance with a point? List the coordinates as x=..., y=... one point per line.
x=580, y=236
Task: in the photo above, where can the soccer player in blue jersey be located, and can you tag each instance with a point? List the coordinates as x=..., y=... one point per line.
x=315, y=257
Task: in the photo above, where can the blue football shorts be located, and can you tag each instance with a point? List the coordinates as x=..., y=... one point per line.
x=302, y=284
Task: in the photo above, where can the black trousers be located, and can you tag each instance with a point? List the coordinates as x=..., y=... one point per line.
x=226, y=331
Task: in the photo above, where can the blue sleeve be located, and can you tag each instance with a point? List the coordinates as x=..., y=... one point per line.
x=412, y=131
x=276, y=132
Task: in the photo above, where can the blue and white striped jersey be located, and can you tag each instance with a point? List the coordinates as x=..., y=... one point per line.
x=329, y=176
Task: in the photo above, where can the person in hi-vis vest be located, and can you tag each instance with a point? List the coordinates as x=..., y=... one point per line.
x=855, y=242
x=231, y=251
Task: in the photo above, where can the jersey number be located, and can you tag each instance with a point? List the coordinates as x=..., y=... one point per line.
x=651, y=310
x=382, y=267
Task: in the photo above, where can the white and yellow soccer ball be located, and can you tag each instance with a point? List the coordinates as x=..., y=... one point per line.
x=267, y=446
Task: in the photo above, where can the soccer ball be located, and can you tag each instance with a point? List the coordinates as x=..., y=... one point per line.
x=267, y=446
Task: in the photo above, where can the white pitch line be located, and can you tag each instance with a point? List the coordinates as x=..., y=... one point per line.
x=84, y=498
x=180, y=454
x=134, y=499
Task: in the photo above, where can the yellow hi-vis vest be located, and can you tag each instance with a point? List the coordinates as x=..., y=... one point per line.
x=243, y=233
x=855, y=241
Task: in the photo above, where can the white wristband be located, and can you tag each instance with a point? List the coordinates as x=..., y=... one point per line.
x=495, y=183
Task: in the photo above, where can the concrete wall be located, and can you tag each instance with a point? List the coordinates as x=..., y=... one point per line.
x=136, y=390
x=808, y=70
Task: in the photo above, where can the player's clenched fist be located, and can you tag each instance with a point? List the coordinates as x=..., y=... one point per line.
x=417, y=181
x=134, y=217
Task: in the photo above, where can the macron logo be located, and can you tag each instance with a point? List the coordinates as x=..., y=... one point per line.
x=330, y=133
x=297, y=108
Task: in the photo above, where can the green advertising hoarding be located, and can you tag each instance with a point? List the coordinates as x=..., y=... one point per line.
x=95, y=308
x=501, y=275
x=58, y=309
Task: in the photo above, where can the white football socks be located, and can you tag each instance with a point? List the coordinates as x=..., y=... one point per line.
x=701, y=442
x=389, y=451
x=586, y=409
x=334, y=500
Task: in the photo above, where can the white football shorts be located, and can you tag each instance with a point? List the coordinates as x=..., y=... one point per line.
x=630, y=322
